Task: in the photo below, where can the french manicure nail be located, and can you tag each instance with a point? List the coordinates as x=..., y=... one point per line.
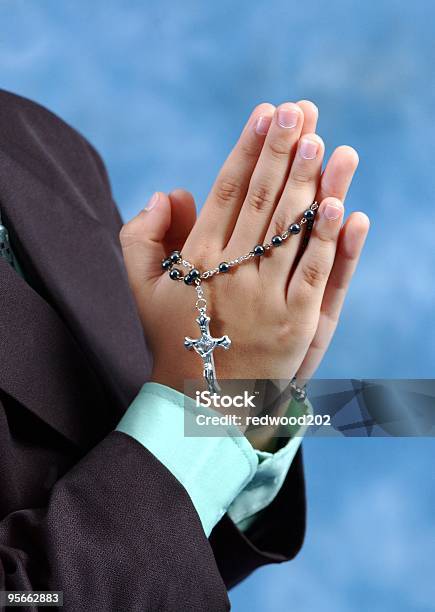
x=308, y=149
x=152, y=201
x=262, y=124
x=288, y=117
x=333, y=211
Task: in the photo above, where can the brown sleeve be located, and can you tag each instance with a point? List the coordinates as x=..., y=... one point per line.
x=276, y=536
x=118, y=533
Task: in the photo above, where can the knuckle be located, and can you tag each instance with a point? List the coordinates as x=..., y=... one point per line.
x=280, y=221
x=260, y=197
x=279, y=149
x=317, y=344
x=285, y=331
x=332, y=317
x=249, y=151
x=314, y=273
x=227, y=190
x=204, y=252
x=302, y=327
x=325, y=239
x=122, y=233
x=279, y=325
x=201, y=255
x=307, y=331
x=298, y=178
x=128, y=234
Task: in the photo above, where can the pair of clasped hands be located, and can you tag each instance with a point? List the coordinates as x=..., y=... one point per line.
x=280, y=310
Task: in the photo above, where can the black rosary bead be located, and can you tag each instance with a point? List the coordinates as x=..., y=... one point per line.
x=259, y=250
x=224, y=266
x=192, y=276
x=175, y=274
x=294, y=228
x=277, y=241
x=175, y=257
x=166, y=263
x=309, y=214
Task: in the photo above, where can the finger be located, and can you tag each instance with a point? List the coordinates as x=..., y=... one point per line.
x=299, y=193
x=142, y=241
x=335, y=182
x=307, y=285
x=350, y=245
x=337, y=176
x=268, y=179
x=311, y=116
x=183, y=217
x=219, y=213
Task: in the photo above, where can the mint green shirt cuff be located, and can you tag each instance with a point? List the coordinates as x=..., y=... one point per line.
x=213, y=470
x=270, y=475
x=220, y=474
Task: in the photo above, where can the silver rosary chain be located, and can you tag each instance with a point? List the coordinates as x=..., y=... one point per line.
x=239, y=260
x=206, y=343
x=201, y=302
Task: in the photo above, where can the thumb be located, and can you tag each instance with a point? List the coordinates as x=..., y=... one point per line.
x=142, y=241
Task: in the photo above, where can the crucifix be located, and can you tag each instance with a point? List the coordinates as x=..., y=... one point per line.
x=204, y=346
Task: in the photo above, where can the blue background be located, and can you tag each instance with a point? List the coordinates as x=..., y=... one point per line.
x=162, y=89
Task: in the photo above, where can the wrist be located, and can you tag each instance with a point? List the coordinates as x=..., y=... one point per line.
x=168, y=379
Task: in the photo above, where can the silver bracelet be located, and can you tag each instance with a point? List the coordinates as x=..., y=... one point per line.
x=299, y=394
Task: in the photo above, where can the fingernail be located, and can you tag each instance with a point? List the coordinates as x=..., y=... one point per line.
x=308, y=149
x=288, y=117
x=333, y=211
x=152, y=201
x=262, y=124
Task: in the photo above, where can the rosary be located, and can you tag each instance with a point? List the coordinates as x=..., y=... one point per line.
x=206, y=343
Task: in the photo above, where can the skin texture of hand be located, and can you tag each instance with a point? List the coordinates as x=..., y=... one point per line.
x=280, y=311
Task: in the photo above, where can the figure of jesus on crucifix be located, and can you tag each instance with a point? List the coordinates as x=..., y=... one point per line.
x=204, y=346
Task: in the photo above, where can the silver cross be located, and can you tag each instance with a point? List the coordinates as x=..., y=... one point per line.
x=205, y=346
